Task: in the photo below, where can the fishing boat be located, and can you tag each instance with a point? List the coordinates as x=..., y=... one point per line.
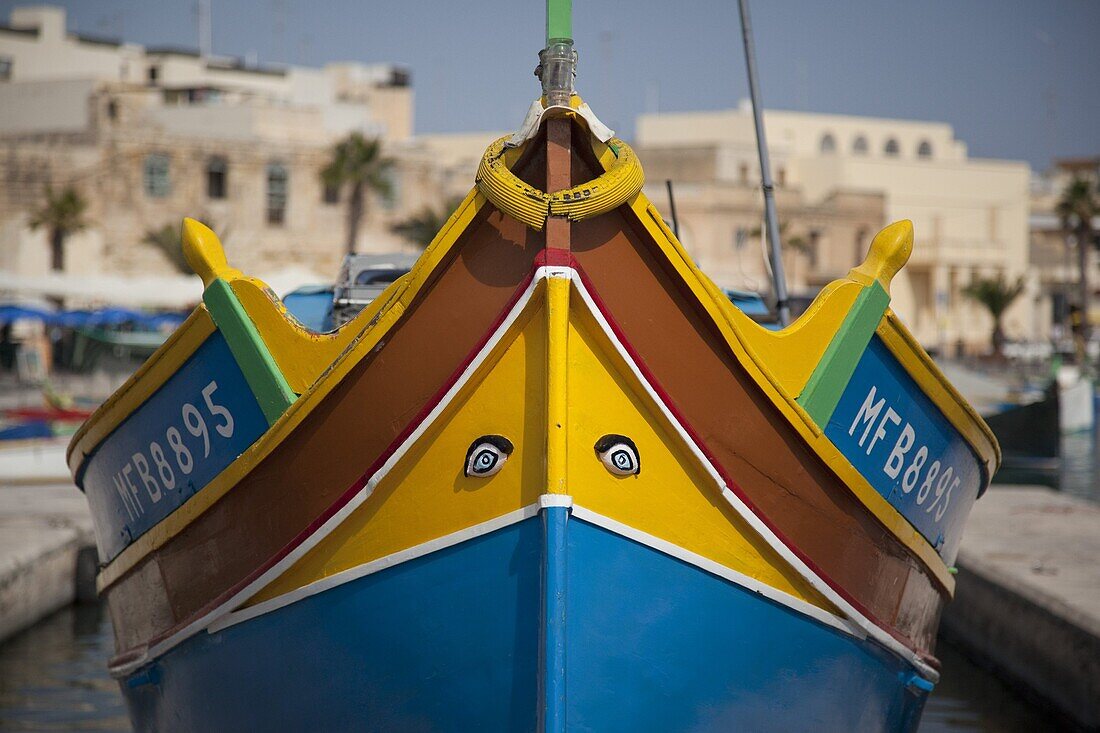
x=1029, y=434
x=550, y=479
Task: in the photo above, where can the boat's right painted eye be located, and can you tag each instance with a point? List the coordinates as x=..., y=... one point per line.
x=619, y=455
x=487, y=455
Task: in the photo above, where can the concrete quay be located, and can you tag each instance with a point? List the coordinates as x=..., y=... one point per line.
x=1027, y=603
x=47, y=552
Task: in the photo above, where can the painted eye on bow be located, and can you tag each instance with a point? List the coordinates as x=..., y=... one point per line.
x=487, y=455
x=619, y=455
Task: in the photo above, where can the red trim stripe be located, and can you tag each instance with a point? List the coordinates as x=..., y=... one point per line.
x=560, y=258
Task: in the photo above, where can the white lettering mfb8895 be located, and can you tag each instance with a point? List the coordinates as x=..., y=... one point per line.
x=158, y=472
x=938, y=481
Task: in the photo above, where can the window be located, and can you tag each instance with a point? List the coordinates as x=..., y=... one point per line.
x=5, y=68
x=276, y=193
x=112, y=110
x=924, y=150
x=781, y=177
x=828, y=143
x=891, y=147
x=859, y=145
x=330, y=194
x=743, y=173
x=153, y=75
x=157, y=182
x=217, y=177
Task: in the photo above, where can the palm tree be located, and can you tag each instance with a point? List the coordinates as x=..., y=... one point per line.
x=62, y=213
x=1078, y=206
x=795, y=245
x=168, y=240
x=357, y=164
x=996, y=294
x=421, y=228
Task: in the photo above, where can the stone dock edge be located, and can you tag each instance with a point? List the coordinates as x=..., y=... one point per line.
x=1025, y=608
x=47, y=552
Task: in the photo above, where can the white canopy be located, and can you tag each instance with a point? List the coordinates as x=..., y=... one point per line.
x=144, y=291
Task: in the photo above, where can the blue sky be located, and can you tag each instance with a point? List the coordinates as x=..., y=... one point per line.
x=1017, y=79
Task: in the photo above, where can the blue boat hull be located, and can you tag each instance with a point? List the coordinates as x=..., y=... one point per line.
x=551, y=622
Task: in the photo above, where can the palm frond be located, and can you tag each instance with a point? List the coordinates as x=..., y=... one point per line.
x=995, y=293
x=168, y=241
x=421, y=228
x=63, y=211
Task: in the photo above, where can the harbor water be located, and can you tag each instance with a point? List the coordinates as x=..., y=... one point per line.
x=1079, y=474
x=53, y=677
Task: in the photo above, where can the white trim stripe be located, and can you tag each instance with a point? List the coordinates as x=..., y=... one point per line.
x=714, y=568
x=547, y=500
x=374, y=566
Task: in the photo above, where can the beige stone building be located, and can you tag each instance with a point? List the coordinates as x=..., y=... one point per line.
x=150, y=135
x=970, y=215
x=720, y=222
x=1053, y=255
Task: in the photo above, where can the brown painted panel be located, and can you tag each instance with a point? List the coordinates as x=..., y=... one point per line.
x=345, y=434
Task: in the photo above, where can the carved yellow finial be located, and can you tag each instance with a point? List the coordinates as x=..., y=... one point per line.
x=890, y=250
x=204, y=252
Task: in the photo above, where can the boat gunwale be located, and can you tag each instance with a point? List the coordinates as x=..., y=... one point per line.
x=877, y=505
x=169, y=356
x=139, y=655
x=392, y=304
x=902, y=344
x=702, y=291
x=917, y=363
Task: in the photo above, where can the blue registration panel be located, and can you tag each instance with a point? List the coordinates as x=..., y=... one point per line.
x=165, y=452
x=905, y=448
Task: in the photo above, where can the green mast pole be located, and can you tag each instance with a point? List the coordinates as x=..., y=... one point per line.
x=558, y=61
x=559, y=22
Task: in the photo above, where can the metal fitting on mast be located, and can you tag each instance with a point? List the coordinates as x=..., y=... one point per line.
x=557, y=69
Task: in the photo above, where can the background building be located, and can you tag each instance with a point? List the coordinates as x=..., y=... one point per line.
x=970, y=215
x=1053, y=256
x=148, y=135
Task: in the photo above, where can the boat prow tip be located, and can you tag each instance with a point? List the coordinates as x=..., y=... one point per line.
x=204, y=253
x=890, y=250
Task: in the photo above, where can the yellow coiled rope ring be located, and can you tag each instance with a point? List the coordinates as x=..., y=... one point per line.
x=525, y=203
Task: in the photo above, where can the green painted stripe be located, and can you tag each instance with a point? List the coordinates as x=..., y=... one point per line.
x=831, y=376
x=260, y=371
x=559, y=21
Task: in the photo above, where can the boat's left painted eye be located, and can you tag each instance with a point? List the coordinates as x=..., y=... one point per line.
x=487, y=455
x=619, y=454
